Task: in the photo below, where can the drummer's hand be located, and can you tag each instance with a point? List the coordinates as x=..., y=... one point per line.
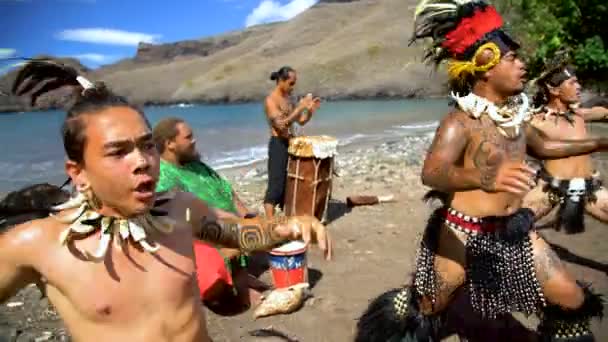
x=316, y=103
x=306, y=102
x=308, y=229
x=313, y=105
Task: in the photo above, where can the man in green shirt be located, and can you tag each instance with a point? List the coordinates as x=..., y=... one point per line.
x=181, y=168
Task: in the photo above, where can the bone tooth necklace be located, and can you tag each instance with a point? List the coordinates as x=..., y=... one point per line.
x=85, y=220
x=504, y=116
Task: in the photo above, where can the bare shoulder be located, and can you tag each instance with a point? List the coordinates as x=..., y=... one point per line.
x=269, y=102
x=31, y=238
x=458, y=120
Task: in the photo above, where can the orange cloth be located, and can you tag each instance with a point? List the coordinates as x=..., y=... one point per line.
x=210, y=267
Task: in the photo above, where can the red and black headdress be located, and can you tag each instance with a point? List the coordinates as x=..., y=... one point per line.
x=459, y=29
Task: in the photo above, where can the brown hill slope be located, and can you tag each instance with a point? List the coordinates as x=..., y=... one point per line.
x=341, y=49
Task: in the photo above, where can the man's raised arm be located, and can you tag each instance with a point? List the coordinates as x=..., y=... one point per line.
x=593, y=114
x=248, y=235
x=541, y=147
x=256, y=233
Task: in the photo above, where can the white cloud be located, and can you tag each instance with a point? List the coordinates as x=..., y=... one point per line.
x=96, y=58
x=7, y=53
x=271, y=10
x=107, y=36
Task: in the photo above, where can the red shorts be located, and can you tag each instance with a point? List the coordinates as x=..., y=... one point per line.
x=210, y=267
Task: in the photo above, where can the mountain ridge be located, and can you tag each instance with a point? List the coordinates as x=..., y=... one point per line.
x=342, y=49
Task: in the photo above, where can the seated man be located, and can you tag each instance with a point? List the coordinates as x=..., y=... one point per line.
x=180, y=167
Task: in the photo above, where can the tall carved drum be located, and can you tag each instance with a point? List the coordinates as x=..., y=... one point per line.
x=309, y=175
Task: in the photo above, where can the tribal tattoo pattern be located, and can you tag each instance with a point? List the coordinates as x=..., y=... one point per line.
x=247, y=237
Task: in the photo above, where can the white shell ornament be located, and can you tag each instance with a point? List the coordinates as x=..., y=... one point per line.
x=85, y=220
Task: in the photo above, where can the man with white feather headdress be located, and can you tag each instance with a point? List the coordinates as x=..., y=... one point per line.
x=481, y=239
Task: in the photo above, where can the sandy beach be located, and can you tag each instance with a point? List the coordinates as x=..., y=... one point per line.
x=374, y=251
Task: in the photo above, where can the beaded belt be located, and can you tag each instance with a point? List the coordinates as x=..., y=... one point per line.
x=470, y=224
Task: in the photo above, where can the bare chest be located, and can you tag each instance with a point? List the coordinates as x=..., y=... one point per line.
x=559, y=128
x=129, y=283
x=488, y=147
x=285, y=106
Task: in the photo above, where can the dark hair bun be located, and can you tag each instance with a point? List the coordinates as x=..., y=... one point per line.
x=281, y=74
x=98, y=91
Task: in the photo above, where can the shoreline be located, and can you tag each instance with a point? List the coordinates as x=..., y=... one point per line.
x=365, y=166
x=386, y=148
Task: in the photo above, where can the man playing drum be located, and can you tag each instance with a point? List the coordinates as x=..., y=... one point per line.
x=281, y=114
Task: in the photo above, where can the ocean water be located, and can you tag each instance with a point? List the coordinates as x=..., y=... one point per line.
x=227, y=135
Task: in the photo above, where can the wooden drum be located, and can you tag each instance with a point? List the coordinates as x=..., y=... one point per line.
x=309, y=175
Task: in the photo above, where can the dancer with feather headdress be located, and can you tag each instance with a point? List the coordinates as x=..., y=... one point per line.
x=116, y=260
x=481, y=239
x=570, y=184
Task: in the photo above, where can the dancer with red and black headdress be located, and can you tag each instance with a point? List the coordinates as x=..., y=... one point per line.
x=481, y=239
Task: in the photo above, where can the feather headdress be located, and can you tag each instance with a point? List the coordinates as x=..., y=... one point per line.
x=555, y=71
x=39, y=76
x=461, y=30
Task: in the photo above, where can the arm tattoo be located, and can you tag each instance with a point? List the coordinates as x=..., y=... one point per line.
x=247, y=238
x=444, y=168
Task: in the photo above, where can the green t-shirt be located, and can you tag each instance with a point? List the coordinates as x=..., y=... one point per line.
x=199, y=179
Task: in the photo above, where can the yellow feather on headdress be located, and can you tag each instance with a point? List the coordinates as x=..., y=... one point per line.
x=458, y=70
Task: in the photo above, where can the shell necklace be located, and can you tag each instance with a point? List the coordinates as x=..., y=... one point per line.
x=85, y=220
x=507, y=116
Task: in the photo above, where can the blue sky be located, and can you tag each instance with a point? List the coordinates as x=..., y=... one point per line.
x=102, y=31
